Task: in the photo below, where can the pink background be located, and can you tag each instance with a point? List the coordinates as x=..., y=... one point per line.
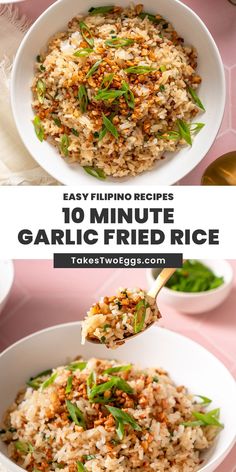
x=43, y=296
x=220, y=18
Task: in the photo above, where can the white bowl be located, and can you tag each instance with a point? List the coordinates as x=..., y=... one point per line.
x=195, y=303
x=6, y=281
x=212, y=92
x=187, y=362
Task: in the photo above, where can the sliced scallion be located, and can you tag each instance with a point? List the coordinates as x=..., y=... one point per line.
x=76, y=366
x=122, y=418
x=41, y=89
x=83, y=52
x=139, y=70
x=86, y=33
x=101, y=10
x=139, y=315
x=94, y=68
x=119, y=42
x=49, y=381
x=80, y=467
x=95, y=172
x=195, y=98
x=109, y=94
x=129, y=96
x=39, y=129
x=119, y=368
x=75, y=414
x=69, y=384
x=109, y=126
x=64, y=145
x=83, y=98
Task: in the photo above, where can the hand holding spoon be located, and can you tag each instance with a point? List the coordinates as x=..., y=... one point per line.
x=116, y=319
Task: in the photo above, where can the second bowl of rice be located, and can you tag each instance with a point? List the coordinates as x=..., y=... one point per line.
x=124, y=93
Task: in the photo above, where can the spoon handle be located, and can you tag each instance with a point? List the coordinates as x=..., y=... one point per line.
x=160, y=281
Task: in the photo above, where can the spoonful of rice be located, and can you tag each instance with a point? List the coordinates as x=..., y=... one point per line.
x=118, y=318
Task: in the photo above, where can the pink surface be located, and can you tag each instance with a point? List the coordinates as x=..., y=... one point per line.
x=220, y=18
x=43, y=296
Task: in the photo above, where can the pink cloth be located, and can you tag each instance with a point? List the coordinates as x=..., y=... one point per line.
x=43, y=296
x=220, y=18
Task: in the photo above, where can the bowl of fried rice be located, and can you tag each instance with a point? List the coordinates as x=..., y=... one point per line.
x=118, y=93
x=160, y=402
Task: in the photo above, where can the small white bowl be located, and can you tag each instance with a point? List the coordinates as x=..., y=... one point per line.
x=195, y=303
x=6, y=281
x=175, y=165
x=187, y=362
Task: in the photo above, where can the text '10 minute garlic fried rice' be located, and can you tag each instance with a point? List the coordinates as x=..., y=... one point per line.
x=114, y=318
x=116, y=91
x=102, y=416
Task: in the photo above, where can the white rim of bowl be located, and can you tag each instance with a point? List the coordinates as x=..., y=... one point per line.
x=7, y=460
x=10, y=264
x=218, y=118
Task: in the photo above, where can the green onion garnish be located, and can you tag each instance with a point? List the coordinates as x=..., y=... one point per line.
x=76, y=366
x=95, y=172
x=205, y=419
x=83, y=52
x=195, y=98
x=162, y=68
x=139, y=315
x=56, y=120
x=49, y=381
x=93, y=68
x=101, y=10
x=91, y=382
x=83, y=98
x=86, y=33
x=150, y=17
x=119, y=368
x=139, y=70
x=122, y=418
x=23, y=446
x=162, y=88
x=107, y=80
x=109, y=126
x=75, y=132
x=119, y=42
x=205, y=400
x=75, y=414
x=80, y=467
x=41, y=89
x=89, y=457
x=129, y=96
x=39, y=129
x=98, y=390
x=185, y=130
x=109, y=94
x=69, y=384
x=64, y=144
x=39, y=58
x=36, y=381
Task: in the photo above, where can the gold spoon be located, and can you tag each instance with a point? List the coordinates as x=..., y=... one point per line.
x=163, y=276
x=222, y=171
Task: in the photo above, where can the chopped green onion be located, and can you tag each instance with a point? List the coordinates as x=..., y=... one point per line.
x=171, y=135
x=155, y=379
x=91, y=382
x=39, y=58
x=89, y=457
x=83, y=52
x=36, y=381
x=86, y=33
x=95, y=172
x=75, y=414
x=209, y=418
x=56, y=120
x=109, y=126
x=106, y=327
x=75, y=132
x=139, y=315
x=205, y=400
x=184, y=131
x=129, y=96
x=102, y=133
x=80, y=467
x=119, y=368
x=42, y=68
x=162, y=68
x=101, y=10
x=93, y=68
x=119, y=42
x=122, y=418
x=116, y=382
x=49, y=381
x=109, y=94
x=139, y=70
x=76, y=366
x=195, y=98
x=23, y=446
x=69, y=384
x=64, y=144
x=39, y=129
x=162, y=88
x=150, y=17
x=41, y=89
x=83, y=98
x=196, y=127
x=107, y=79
